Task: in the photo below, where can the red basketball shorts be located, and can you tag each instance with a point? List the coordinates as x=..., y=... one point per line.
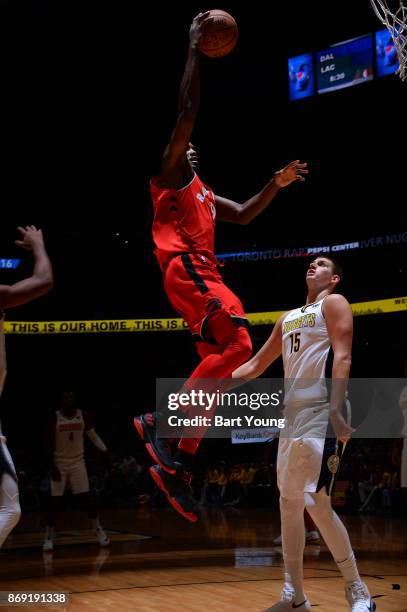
x=196, y=289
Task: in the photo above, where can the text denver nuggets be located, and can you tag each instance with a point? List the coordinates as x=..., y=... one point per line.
x=307, y=320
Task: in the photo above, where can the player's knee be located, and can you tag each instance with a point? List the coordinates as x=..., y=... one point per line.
x=319, y=504
x=239, y=347
x=218, y=325
x=245, y=344
x=289, y=502
x=290, y=508
x=229, y=337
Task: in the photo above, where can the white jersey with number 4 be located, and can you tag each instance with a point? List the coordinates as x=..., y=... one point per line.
x=306, y=345
x=69, y=445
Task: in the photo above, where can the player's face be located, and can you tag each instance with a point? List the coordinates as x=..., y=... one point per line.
x=68, y=400
x=320, y=274
x=192, y=157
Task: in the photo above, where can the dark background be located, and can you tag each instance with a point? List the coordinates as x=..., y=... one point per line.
x=88, y=99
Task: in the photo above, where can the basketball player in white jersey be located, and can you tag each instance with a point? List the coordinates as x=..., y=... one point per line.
x=67, y=428
x=305, y=470
x=39, y=283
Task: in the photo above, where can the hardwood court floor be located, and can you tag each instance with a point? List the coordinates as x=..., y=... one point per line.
x=226, y=561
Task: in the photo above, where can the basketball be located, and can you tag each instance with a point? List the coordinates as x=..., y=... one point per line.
x=220, y=36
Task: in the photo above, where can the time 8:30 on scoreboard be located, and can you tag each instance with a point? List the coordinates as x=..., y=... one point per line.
x=346, y=64
x=342, y=65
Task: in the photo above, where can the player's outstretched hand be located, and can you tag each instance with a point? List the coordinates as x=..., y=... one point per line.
x=295, y=171
x=197, y=27
x=341, y=429
x=31, y=237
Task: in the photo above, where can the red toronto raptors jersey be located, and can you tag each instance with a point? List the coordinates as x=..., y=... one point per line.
x=184, y=220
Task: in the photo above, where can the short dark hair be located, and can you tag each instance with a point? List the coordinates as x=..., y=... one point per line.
x=336, y=267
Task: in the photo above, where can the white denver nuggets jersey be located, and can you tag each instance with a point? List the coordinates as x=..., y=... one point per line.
x=306, y=345
x=69, y=446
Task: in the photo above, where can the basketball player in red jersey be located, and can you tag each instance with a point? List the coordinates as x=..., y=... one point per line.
x=185, y=210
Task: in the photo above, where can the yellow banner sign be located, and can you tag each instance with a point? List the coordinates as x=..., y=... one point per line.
x=146, y=325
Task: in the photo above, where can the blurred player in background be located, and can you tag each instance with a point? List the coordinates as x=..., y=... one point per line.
x=185, y=210
x=65, y=445
x=39, y=283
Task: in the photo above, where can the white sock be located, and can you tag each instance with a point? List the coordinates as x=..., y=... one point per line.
x=349, y=570
x=49, y=533
x=334, y=533
x=294, y=576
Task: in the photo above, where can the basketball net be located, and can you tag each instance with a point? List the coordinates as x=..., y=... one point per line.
x=396, y=22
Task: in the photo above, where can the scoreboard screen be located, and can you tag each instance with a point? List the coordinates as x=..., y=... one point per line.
x=387, y=61
x=345, y=64
x=301, y=76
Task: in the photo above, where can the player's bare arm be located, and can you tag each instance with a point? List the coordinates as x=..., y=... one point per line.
x=234, y=212
x=175, y=167
x=3, y=360
x=268, y=353
x=339, y=322
x=94, y=437
x=41, y=280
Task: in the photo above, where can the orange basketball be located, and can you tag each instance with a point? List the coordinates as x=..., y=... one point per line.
x=220, y=36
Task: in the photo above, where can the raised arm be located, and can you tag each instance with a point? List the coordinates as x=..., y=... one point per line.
x=175, y=167
x=234, y=212
x=339, y=322
x=41, y=280
x=268, y=353
x=3, y=361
